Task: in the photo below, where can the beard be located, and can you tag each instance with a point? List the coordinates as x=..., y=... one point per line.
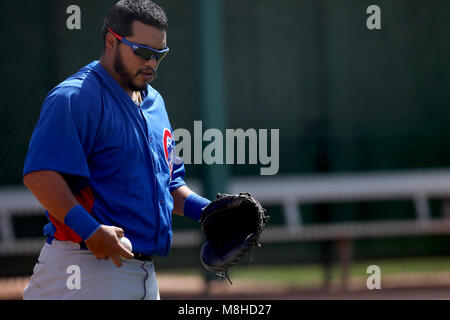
x=128, y=80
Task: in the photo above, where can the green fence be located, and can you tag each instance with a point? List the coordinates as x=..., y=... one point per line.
x=345, y=98
x=355, y=98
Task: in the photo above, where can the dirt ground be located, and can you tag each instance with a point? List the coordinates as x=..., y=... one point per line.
x=194, y=288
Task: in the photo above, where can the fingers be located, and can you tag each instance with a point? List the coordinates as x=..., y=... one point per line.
x=119, y=252
x=116, y=259
x=116, y=255
x=119, y=232
x=124, y=252
x=101, y=257
x=105, y=244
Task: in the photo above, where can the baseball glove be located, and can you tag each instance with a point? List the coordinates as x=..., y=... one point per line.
x=232, y=225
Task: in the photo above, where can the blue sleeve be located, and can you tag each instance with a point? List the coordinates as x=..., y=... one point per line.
x=65, y=133
x=178, y=171
x=177, y=174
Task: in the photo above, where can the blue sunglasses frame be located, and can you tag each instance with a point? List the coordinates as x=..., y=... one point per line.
x=146, y=53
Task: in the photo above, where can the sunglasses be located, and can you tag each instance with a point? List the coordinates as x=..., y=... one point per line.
x=146, y=53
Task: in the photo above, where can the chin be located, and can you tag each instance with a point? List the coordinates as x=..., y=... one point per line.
x=138, y=87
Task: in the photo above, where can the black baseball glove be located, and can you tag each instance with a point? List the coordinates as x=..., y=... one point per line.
x=232, y=225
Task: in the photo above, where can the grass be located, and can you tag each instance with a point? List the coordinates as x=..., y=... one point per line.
x=313, y=274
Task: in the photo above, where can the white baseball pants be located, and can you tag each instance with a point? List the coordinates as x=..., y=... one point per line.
x=63, y=271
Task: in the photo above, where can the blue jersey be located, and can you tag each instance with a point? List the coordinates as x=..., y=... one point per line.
x=117, y=158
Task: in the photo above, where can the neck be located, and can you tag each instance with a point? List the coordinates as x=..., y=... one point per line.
x=108, y=65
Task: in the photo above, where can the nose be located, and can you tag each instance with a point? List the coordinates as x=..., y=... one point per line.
x=152, y=63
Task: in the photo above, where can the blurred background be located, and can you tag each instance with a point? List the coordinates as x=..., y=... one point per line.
x=364, y=141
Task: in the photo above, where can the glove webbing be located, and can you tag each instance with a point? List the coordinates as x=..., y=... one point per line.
x=224, y=274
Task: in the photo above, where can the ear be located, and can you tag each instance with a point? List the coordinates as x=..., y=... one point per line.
x=110, y=42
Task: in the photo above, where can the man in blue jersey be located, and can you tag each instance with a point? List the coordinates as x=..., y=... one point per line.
x=101, y=161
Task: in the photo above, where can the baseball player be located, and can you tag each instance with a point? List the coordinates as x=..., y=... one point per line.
x=101, y=161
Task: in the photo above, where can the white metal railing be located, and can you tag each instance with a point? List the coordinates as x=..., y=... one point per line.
x=290, y=192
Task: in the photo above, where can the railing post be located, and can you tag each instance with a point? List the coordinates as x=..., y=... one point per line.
x=292, y=214
x=6, y=227
x=422, y=208
x=345, y=256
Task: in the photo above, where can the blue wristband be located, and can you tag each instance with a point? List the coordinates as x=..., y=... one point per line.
x=80, y=221
x=193, y=206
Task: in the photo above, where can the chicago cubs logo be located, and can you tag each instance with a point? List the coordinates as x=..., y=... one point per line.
x=168, y=145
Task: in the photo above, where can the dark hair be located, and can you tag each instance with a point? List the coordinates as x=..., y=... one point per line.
x=120, y=18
